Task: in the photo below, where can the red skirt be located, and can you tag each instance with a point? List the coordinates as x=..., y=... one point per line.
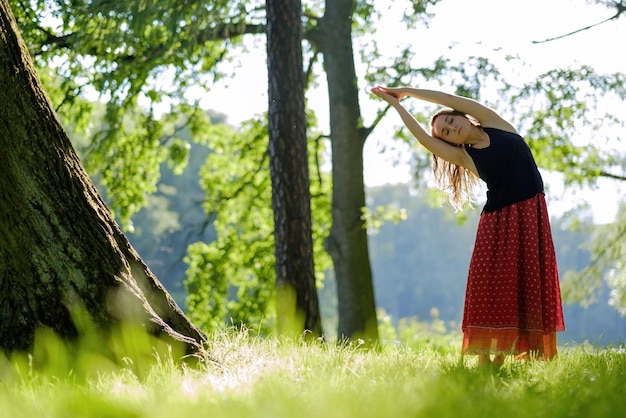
x=513, y=299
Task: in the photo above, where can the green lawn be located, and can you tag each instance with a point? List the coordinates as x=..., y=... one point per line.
x=253, y=377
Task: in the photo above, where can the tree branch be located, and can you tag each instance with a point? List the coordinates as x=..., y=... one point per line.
x=230, y=30
x=621, y=8
x=215, y=33
x=611, y=176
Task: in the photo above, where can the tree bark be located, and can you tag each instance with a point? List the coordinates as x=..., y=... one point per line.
x=297, y=302
x=62, y=252
x=347, y=243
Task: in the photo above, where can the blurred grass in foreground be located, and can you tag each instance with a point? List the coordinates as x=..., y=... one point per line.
x=255, y=377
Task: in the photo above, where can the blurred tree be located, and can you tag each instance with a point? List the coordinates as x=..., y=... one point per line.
x=62, y=253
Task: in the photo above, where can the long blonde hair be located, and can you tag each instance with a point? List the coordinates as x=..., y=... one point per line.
x=458, y=182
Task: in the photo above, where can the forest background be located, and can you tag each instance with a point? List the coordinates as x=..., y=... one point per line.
x=419, y=263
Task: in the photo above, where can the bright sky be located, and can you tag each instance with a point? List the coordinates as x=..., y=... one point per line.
x=474, y=27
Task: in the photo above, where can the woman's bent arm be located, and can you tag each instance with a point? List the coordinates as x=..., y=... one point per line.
x=456, y=155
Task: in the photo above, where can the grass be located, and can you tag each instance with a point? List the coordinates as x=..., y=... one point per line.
x=254, y=377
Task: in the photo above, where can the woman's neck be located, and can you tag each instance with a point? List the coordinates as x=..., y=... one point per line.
x=478, y=138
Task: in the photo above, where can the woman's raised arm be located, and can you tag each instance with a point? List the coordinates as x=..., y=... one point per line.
x=486, y=116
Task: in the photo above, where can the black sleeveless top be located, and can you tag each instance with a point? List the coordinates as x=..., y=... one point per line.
x=508, y=168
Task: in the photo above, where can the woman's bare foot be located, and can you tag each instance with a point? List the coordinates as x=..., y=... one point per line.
x=498, y=360
x=484, y=360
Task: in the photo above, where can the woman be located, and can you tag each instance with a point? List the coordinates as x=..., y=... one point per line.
x=512, y=301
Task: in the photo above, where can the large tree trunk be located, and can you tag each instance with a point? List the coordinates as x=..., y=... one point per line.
x=61, y=251
x=347, y=243
x=297, y=302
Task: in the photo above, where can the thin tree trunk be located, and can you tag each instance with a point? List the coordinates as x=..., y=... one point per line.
x=297, y=302
x=61, y=251
x=347, y=243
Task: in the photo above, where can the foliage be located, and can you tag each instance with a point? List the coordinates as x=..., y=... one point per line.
x=616, y=280
x=378, y=216
x=608, y=252
x=254, y=377
x=173, y=216
x=238, y=201
x=231, y=280
x=433, y=333
x=142, y=59
x=570, y=127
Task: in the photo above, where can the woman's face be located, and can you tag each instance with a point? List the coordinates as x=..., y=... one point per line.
x=452, y=128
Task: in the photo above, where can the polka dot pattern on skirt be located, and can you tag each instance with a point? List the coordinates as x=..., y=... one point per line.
x=513, y=300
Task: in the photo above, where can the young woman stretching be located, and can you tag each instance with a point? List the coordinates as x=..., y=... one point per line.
x=513, y=300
